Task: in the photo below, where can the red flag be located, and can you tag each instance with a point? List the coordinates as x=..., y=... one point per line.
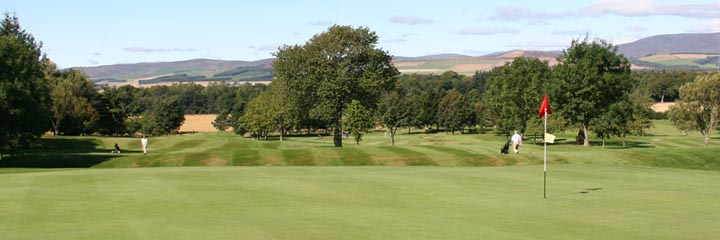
x=545, y=107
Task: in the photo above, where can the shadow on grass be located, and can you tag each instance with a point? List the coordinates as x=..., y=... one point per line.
x=60, y=153
x=586, y=191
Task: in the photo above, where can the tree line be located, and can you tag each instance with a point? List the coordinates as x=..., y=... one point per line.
x=339, y=81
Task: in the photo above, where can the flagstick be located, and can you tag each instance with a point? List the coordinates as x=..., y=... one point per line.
x=545, y=157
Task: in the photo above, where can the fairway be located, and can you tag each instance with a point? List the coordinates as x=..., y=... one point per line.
x=584, y=202
x=428, y=186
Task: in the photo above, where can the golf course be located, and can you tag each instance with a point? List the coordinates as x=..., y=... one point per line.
x=427, y=186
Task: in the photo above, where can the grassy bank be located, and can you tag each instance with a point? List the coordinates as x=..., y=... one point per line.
x=662, y=147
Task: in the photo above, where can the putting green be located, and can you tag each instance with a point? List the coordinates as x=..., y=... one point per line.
x=585, y=201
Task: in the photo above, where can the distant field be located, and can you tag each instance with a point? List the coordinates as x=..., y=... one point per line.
x=198, y=123
x=463, y=66
x=662, y=107
x=680, y=59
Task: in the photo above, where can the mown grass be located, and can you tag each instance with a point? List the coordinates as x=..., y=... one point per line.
x=661, y=187
x=662, y=146
x=584, y=202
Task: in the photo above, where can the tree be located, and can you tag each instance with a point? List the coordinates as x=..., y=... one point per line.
x=166, y=117
x=514, y=92
x=243, y=95
x=699, y=106
x=427, y=106
x=357, y=119
x=590, y=77
x=261, y=115
x=332, y=69
x=112, y=111
x=72, y=95
x=190, y=97
x=664, y=85
x=219, y=97
x=24, y=98
x=394, y=111
x=454, y=111
x=222, y=121
x=478, y=109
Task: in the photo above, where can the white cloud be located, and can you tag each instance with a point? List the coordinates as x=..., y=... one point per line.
x=410, y=20
x=641, y=8
x=485, y=31
x=512, y=14
x=163, y=50
x=635, y=8
x=711, y=26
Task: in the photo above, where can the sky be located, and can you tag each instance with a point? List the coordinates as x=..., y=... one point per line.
x=96, y=32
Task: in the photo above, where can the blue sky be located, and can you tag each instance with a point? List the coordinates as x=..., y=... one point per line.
x=95, y=32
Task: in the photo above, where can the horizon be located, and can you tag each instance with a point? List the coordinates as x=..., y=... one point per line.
x=87, y=33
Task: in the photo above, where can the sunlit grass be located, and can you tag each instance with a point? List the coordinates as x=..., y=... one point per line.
x=584, y=201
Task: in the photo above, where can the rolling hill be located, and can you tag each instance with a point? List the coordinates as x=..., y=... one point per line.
x=706, y=43
x=688, y=51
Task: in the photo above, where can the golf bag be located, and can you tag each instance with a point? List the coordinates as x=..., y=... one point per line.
x=505, y=148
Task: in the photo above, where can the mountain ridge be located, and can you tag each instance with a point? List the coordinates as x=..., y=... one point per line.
x=672, y=43
x=208, y=70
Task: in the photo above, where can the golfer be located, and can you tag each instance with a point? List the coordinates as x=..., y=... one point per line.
x=516, y=141
x=144, y=143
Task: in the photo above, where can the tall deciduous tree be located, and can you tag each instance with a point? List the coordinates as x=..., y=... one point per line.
x=332, y=69
x=514, y=92
x=166, y=117
x=454, y=111
x=699, y=106
x=24, y=98
x=590, y=77
x=112, y=110
x=71, y=95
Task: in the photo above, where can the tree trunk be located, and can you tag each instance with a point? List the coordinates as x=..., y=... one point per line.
x=55, y=126
x=587, y=139
x=662, y=99
x=392, y=135
x=337, y=136
x=603, y=143
x=711, y=126
x=623, y=140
